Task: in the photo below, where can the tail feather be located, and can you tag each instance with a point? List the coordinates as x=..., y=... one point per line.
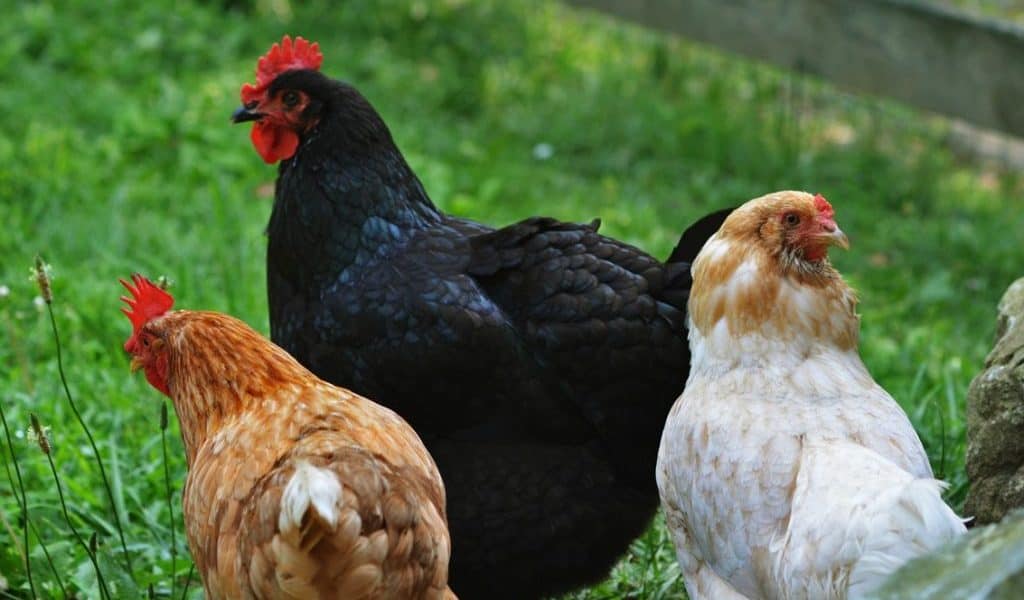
x=910, y=521
x=696, y=235
x=675, y=291
x=856, y=517
x=332, y=521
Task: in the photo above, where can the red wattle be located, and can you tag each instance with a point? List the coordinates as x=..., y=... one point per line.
x=156, y=374
x=273, y=142
x=816, y=252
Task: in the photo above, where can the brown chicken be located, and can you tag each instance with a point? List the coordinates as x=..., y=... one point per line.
x=296, y=488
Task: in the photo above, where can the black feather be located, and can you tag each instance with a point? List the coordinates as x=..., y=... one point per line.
x=695, y=235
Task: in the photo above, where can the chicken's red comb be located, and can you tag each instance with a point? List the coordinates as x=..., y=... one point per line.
x=147, y=302
x=280, y=58
x=824, y=208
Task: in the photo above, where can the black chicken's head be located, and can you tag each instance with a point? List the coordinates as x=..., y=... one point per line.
x=283, y=111
x=291, y=98
x=277, y=107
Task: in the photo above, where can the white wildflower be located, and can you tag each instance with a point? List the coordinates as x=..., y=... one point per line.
x=543, y=151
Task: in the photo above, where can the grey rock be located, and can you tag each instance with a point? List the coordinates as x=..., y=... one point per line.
x=995, y=418
x=987, y=563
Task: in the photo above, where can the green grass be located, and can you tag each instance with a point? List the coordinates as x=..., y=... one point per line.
x=117, y=156
x=1007, y=10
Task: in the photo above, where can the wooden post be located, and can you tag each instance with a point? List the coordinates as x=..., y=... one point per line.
x=916, y=52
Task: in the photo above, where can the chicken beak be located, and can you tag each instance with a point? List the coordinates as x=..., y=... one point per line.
x=243, y=114
x=829, y=234
x=838, y=238
x=136, y=364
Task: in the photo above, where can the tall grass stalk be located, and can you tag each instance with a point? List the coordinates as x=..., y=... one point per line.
x=167, y=487
x=49, y=561
x=44, y=445
x=188, y=580
x=47, y=450
x=22, y=501
x=43, y=281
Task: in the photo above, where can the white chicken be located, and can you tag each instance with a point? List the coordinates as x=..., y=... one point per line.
x=785, y=471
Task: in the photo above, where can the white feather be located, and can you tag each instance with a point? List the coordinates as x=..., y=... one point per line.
x=309, y=486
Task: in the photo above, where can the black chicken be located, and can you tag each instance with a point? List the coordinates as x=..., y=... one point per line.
x=538, y=362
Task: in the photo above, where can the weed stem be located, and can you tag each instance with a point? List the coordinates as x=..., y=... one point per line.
x=23, y=501
x=40, y=268
x=104, y=591
x=188, y=581
x=167, y=487
x=49, y=561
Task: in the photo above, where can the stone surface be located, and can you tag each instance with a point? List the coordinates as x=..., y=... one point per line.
x=995, y=419
x=988, y=562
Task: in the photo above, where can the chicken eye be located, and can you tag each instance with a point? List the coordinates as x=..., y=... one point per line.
x=791, y=219
x=145, y=341
x=290, y=98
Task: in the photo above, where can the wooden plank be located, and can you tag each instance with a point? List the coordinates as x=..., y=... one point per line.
x=916, y=52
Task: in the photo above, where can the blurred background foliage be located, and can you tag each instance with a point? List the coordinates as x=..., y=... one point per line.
x=116, y=155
